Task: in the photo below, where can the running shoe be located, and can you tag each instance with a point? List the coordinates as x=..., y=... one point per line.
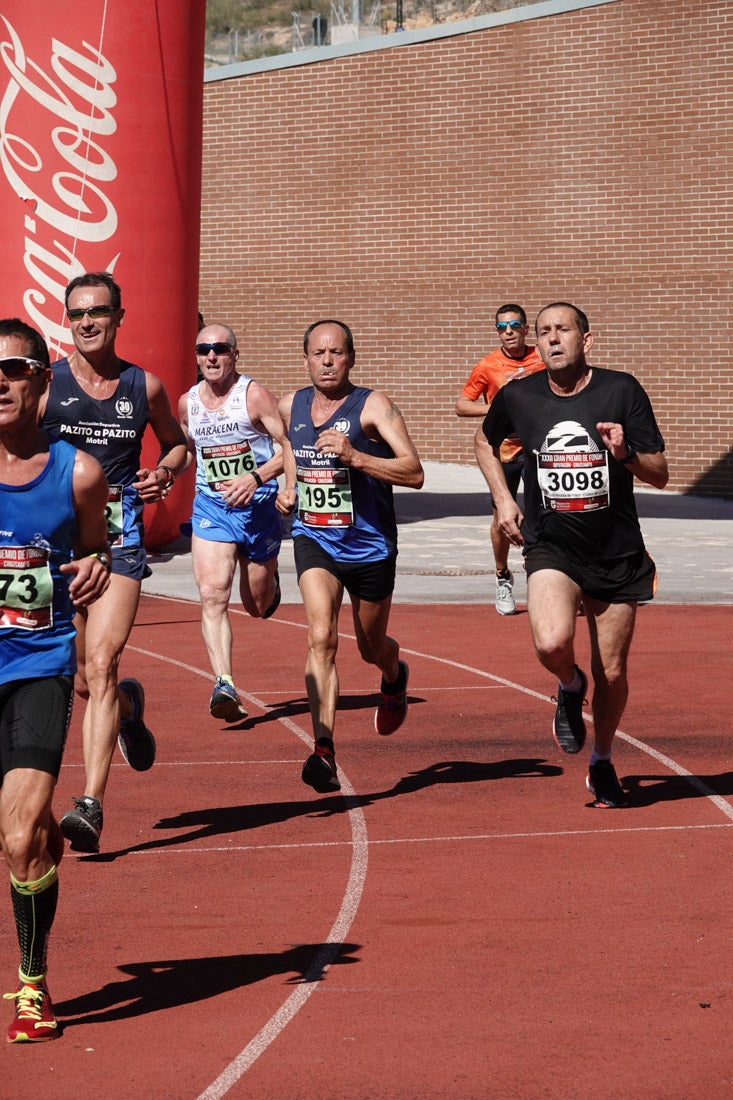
x=319, y=770
x=225, y=704
x=392, y=709
x=276, y=601
x=505, y=604
x=568, y=727
x=82, y=826
x=34, y=1019
x=603, y=784
x=136, y=742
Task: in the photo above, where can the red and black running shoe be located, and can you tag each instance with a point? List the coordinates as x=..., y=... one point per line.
x=319, y=770
x=603, y=784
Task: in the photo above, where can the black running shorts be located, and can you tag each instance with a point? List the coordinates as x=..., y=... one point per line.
x=367, y=580
x=626, y=580
x=34, y=721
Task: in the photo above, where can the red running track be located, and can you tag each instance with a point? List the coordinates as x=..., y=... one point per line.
x=459, y=923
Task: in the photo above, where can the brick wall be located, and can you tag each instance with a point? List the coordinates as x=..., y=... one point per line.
x=585, y=156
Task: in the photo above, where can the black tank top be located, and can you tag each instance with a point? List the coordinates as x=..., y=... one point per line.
x=111, y=430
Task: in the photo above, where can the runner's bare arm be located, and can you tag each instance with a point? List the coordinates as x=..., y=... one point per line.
x=380, y=418
x=508, y=515
x=183, y=421
x=153, y=484
x=287, y=497
x=651, y=468
x=89, y=573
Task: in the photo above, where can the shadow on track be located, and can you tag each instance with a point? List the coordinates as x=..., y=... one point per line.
x=216, y=821
x=170, y=983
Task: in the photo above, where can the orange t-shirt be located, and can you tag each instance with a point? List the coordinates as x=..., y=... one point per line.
x=493, y=372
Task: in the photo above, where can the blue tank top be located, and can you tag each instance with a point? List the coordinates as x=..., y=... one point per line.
x=37, y=528
x=112, y=431
x=350, y=514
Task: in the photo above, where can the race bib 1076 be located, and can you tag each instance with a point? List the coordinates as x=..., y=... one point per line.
x=225, y=461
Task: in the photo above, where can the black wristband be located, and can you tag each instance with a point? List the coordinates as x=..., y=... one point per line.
x=171, y=476
x=629, y=457
x=258, y=479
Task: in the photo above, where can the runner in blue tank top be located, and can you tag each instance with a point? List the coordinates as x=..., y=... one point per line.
x=102, y=405
x=345, y=449
x=52, y=504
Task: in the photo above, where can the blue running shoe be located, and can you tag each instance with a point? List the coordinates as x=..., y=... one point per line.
x=225, y=704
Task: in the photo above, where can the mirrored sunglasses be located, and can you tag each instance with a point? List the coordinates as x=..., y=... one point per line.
x=218, y=349
x=19, y=366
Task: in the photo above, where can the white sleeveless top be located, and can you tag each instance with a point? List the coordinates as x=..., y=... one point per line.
x=227, y=442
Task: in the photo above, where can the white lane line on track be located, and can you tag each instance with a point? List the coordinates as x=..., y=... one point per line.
x=717, y=800
x=329, y=951
x=201, y=850
x=357, y=874
x=339, y=930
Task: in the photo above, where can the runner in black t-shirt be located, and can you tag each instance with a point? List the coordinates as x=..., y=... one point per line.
x=585, y=433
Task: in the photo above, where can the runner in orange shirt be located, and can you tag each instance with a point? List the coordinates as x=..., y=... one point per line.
x=512, y=359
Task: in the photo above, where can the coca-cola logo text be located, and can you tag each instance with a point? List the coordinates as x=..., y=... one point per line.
x=52, y=126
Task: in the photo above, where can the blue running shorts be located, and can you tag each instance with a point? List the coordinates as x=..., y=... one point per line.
x=255, y=530
x=131, y=561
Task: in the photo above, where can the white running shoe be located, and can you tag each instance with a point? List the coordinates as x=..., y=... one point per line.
x=505, y=604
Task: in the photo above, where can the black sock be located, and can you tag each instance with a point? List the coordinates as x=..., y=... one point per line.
x=398, y=685
x=34, y=906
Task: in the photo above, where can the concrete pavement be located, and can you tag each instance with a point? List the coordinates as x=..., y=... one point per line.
x=445, y=553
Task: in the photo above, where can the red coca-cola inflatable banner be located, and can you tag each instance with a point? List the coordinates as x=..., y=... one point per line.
x=100, y=170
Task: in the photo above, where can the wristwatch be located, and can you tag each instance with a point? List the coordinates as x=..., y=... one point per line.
x=104, y=558
x=629, y=457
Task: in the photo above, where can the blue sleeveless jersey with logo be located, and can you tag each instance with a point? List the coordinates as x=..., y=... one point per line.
x=112, y=431
x=37, y=528
x=350, y=514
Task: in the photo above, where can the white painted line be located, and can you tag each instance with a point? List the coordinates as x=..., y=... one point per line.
x=198, y=850
x=329, y=951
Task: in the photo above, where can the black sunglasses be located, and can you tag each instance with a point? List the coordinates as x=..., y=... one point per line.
x=502, y=326
x=18, y=366
x=95, y=312
x=218, y=349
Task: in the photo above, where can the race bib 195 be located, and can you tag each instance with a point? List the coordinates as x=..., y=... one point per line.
x=324, y=497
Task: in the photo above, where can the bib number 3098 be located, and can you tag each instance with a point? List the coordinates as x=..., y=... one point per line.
x=573, y=481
